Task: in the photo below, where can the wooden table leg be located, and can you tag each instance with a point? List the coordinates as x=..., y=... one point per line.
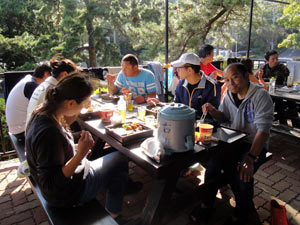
x=158, y=198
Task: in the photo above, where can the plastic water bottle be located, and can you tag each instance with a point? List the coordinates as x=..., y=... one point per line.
x=122, y=108
x=272, y=85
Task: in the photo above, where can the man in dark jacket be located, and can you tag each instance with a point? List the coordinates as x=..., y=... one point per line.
x=273, y=68
x=194, y=88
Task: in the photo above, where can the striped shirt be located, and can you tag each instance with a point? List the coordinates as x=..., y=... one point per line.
x=142, y=84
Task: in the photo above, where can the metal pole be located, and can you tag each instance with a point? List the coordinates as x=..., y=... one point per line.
x=250, y=27
x=166, y=47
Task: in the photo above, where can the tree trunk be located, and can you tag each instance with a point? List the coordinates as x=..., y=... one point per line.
x=90, y=30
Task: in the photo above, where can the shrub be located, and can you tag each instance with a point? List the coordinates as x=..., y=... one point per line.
x=4, y=138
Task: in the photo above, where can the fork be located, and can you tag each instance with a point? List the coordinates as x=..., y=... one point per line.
x=202, y=119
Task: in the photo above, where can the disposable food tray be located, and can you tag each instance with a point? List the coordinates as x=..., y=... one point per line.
x=125, y=136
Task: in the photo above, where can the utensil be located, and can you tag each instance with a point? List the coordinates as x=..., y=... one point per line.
x=202, y=119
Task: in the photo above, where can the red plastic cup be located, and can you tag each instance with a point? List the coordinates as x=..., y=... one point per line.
x=106, y=114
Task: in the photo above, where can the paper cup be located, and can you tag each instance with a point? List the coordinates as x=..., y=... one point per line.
x=206, y=131
x=106, y=114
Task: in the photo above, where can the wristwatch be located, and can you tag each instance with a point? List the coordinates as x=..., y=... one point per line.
x=254, y=157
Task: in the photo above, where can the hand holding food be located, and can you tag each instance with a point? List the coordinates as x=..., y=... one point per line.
x=111, y=78
x=85, y=143
x=152, y=101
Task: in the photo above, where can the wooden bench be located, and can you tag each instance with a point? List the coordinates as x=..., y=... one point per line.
x=90, y=213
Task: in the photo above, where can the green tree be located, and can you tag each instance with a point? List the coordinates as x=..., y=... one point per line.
x=190, y=23
x=290, y=19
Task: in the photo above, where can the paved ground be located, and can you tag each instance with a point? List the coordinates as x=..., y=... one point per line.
x=279, y=178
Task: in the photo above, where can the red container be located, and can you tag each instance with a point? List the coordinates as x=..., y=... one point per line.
x=106, y=114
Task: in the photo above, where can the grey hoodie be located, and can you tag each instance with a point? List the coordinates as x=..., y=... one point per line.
x=254, y=114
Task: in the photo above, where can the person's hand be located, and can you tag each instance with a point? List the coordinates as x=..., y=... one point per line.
x=214, y=75
x=207, y=107
x=219, y=73
x=111, y=78
x=139, y=99
x=85, y=143
x=125, y=91
x=260, y=73
x=246, y=169
x=152, y=101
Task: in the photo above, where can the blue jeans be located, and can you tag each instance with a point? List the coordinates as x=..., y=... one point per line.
x=108, y=173
x=226, y=160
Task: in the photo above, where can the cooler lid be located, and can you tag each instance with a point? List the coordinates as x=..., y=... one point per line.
x=176, y=111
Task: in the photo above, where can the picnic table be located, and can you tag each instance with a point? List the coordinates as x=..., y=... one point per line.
x=289, y=101
x=167, y=172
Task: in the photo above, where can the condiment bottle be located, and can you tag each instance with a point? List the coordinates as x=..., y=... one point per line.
x=122, y=108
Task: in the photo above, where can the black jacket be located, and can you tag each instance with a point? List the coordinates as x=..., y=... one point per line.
x=48, y=149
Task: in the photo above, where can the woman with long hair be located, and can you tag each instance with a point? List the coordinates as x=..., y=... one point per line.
x=59, y=167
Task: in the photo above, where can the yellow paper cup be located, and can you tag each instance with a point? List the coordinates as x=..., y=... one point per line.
x=206, y=131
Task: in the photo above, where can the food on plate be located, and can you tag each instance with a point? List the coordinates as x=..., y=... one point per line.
x=132, y=126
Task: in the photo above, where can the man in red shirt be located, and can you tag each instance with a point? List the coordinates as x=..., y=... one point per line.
x=206, y=54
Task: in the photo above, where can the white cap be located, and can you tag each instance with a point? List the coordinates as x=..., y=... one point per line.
x=187, y=58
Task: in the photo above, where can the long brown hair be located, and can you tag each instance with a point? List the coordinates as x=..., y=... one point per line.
x=73, y=87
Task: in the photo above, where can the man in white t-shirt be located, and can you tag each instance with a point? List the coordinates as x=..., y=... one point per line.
x=18, y=98
x=139, y=82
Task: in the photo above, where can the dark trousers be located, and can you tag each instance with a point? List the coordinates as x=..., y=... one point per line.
x=225, y=161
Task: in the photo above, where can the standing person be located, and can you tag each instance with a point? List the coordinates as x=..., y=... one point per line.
x=19, y=96
x=139, y=82
x=59, y=167
x=60, y=69
x=194, y=88
x=248, y=108
x=273, y=68
x=206, y=54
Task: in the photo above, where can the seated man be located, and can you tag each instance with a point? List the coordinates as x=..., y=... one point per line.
x=18, y=98
x=246, y=107
x=206, y=54
x=194, y=88
x=273, y=68
x=140, y=82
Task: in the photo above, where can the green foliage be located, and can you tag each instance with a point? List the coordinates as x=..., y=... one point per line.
x=190, y=23
x=5, y=137
x=291, y=20
x=99, y=32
